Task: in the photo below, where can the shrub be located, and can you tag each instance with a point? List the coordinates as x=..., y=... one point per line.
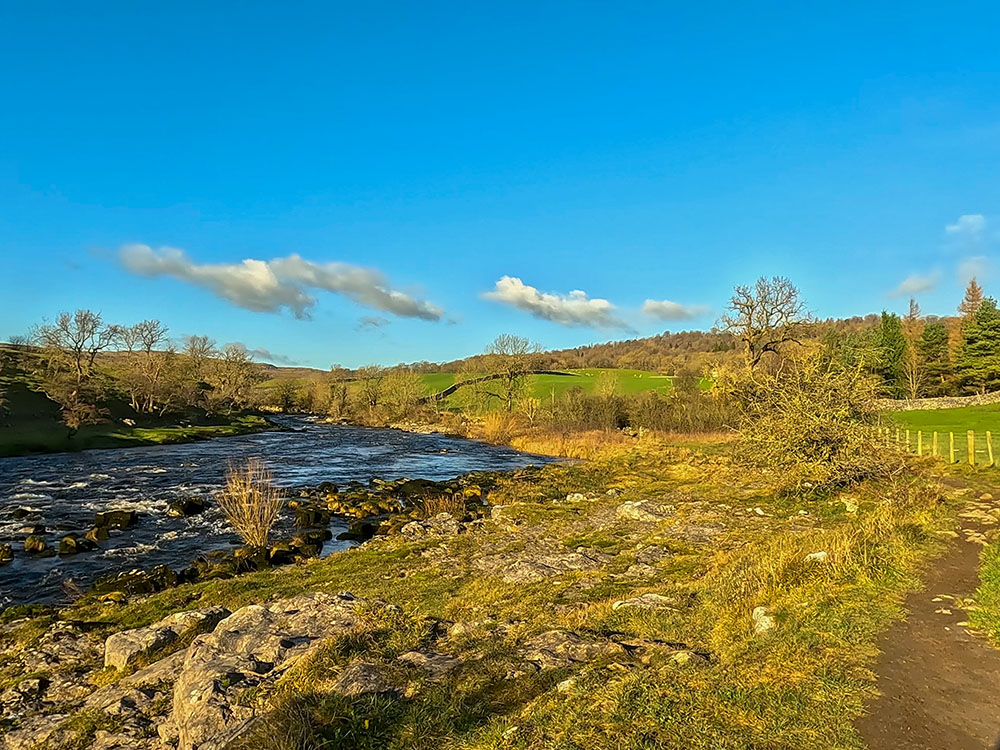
x=250, y=502
x=815, y=423
x=498, y=427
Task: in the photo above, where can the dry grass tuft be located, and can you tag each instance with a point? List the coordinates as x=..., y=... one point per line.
x=250, y=502
x=453, y=504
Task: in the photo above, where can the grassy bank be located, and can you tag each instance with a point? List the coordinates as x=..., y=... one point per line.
x=49, y=437
x=717, y=542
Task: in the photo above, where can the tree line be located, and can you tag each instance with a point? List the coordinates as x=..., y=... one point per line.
x=85, y=365
x=917, y=356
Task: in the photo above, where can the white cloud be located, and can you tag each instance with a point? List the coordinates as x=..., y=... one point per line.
x=269, y=286
x=664, y=309
x=573, y=309
x=916, y=283
x=968, y=226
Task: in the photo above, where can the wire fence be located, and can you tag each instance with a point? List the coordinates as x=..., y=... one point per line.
x=973, y=447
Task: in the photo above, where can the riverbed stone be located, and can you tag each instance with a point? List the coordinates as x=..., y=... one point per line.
x=97, y=534
x=35, y=545
x=116, y=519
x=185, y=508
x=134, y=582
x=6, y=553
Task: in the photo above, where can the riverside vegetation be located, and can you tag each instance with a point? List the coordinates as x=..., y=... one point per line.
x=720, y=587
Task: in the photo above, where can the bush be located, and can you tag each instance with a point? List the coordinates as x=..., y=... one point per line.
x=815, y=423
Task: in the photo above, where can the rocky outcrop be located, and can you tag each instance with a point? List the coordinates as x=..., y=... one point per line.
x=124, y=649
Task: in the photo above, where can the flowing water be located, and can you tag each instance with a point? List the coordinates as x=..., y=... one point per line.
x=63, y=492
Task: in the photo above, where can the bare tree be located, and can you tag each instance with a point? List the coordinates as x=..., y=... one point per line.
x=232, y=377
x=148, y=360
x=914, y=367
x=402, y=392
x=765, y=316
x=508, y=360
x=371, y=380
x=68, y=371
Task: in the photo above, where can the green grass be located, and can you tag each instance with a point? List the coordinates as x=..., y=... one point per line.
x=627, y=382
x=958, y=421
x=49, y=437
x=986, y=614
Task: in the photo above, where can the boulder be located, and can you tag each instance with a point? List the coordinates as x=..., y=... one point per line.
x=35, y=545
x=71, y=544
x=6, y=553
x=250, y=647
x=125, y=648
x=191, y=506
x=434, y=664
x=311, y=517
x=643, y=510
x=116, y=519
x=763, y=620
x=364, y=678
x=133, y=582
x=647, y=601
x=97, y=534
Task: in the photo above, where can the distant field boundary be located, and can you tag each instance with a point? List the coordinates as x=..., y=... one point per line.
x=442, y=395
x=945, y=402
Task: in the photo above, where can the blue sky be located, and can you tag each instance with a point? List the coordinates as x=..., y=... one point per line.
x=383, y=166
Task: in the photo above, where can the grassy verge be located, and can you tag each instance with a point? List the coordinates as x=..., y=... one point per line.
x=48, y=437
x=727, y=543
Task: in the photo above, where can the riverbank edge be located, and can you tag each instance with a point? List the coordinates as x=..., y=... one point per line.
x=144, y=437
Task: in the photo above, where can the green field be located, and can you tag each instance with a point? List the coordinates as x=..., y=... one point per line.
x=981, y=419
x=547, y=386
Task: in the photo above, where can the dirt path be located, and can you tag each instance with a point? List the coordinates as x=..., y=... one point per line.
x=939, y=683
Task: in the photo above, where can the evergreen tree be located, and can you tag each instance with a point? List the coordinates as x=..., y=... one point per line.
x=979, y=358
x=934, y=352
x=892, y=352
x=973, y=299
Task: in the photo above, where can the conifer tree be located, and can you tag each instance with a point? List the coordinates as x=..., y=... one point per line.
x=972, y=300
x=979, y=357
x=935, y=354
x=892, y=352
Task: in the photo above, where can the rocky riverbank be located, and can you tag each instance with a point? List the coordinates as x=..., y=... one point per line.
x=657, y=595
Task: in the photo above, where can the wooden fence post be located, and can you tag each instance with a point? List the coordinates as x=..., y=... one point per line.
x=920, y=442
x=897, y=437
x=907, y=441
x=989, y=448
x=934, y=444
x=951, y=447
x=971, y=440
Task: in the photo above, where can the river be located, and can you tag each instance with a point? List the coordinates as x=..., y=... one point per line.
x=63, y=492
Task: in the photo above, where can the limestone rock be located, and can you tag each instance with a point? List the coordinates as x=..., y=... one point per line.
x=647, y=601
x=123, y=649
x=643, y=510
x=558, y=648
x=362, y=678
x=434, y=664
x=763, y=620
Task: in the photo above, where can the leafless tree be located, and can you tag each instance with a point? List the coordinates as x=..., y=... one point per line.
x=68, y=370
x=509, y=359
x=765, y=317
x=371, y=380
x=914, y=367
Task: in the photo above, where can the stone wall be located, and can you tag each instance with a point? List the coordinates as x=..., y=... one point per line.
x=945, y=402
